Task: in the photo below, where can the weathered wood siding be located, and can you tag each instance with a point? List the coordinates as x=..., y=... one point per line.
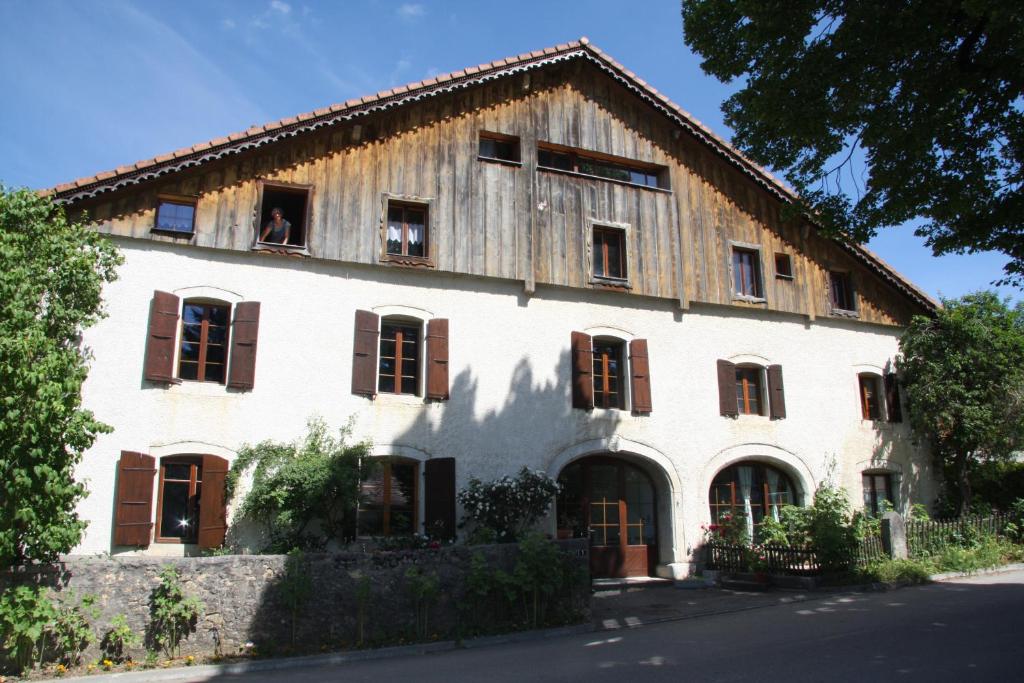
x=509, y=221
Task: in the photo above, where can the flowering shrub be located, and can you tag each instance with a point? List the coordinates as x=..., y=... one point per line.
x=502, y=510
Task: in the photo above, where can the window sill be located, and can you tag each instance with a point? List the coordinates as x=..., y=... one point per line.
x=788, y=278
x=844, y=313
x=622, y=284
x=398, y=400
x=496, y=160
x=179, y=234
x=175, y=541
x=276, y=248
x=196, y=388
x=588, y=176
x=745, y=298
x=413, y=261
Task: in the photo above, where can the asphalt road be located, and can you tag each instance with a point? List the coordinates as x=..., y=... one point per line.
x=962, y=630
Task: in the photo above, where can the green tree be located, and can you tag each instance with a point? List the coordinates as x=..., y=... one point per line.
x=50, y=290
x=963, y=376
x=308, y=485
x=926, y=92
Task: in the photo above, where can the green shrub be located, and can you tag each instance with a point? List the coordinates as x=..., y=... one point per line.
x=173, y=614
x=423, y=590
x=296, y=586
x=71, y=632
x=25, y=613
x=898, y=571
x=507, y=507
x=118, y=639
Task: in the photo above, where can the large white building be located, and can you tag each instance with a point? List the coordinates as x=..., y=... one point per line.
x=539, y=261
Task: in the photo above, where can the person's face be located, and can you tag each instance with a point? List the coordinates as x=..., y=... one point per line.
x=276, y=216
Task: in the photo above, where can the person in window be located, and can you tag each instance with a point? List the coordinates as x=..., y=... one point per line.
x=277, y=229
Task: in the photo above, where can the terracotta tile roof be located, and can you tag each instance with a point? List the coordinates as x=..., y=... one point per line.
x=149, y=169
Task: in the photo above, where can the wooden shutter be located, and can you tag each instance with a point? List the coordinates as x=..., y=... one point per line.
x=437, y=359
x=364, y=358
x=242, y=373
x=641, y=373
x=582, y=371
x=213, y=512
x=133, y=509
x=439, y=498
x=163, y=333
x=727, y=388
x=776, y=393
x=892, y=398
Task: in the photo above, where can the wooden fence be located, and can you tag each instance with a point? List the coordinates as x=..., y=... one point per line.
x=773, y=559
x=931, y=536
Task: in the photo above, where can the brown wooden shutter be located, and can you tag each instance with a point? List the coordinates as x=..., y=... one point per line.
x=242, y=373
x=213, y=512
x=641, y=372
x=439, y=498
x=776, y=393
x=892, y=398
x=582, y=371
x=727, y=389
x=133, y=509
x=163, y=333
x=364, y=358
x=437, y=359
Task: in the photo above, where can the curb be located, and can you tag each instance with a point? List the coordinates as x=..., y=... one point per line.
x=944, y=576
x=204, y=671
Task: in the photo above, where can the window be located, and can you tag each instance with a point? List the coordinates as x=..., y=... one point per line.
x=387, y=502
x=204, y=341
x=746, y=273
x=399, y=369
x=608, y=372
x=877, y=493
x=181, y=481
x=284, y=214
x=609, y=253
x=783, y=267
x=550, y=157
x=175, y=215
x=753, y=489
x=748, y=390
x=841, y=291
x=407, y=231
x=498, y=147
x=870, y=401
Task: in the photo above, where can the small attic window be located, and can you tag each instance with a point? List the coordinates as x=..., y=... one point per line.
x=175, y=215
x=783, y=266
x=499, y=147
x=284, y=211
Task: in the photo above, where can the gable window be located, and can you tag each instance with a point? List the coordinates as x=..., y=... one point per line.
x=399, y=369
x=877, y=493
x=870, y=396
x=783, y=267
x=557, y=158
x=387, y=501
x=608, y=373
x=746, y=273
x=498, y=147
x=748, y=390
x=175, y=215
x=204, y=340
x=752, y=489
x=181, y=482
x=406, y=231
x=609, y=253
x=284, y=214
x=841, y=291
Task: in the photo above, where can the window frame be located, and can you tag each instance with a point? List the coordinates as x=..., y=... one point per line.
x=715, y=509
x=500, y=137
x=386, y=463
x=621, y=378
x=849, y=290
x=875, y=500
x=754, y=250
x=660, y=172
x=622, y=231
x=787, y=272
x=262, y=184
x=203, y=340
x=402, y=322
x=195, y=463
x=743, y=405
x=879, y=396
x=179, y=200
x=421, y=203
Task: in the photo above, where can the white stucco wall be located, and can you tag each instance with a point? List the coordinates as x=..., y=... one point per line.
x=510, y=382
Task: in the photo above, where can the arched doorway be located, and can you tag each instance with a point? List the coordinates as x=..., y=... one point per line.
x=613, y=503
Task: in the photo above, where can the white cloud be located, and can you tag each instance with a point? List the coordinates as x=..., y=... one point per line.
x=279, y=6
x=228, y=23
x=411, y=11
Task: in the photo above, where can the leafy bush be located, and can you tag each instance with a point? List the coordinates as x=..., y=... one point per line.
x=898, y=571
x=832, y=531
x=506, y=507
x=173, y=614
x=423, y=590
x=312, y=481
x=118, y=639
x=297, y=585
x=71, y=632
x=25, y=613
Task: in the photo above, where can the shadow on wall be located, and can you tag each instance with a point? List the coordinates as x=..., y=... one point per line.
x=892, y=454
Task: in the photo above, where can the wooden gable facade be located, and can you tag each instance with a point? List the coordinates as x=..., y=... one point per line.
x=511, y=219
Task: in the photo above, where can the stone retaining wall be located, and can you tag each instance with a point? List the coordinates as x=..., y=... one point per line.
x=243, y=602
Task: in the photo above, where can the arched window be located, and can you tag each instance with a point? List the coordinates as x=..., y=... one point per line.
x=388, y=502
x=753, y=488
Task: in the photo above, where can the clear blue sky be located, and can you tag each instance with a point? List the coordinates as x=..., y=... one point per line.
x=93, y=85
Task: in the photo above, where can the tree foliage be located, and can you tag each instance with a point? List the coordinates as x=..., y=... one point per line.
x=503, y=510
x=50, y=285
x=928, y=92
x=304, y=493
x=963, y=376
